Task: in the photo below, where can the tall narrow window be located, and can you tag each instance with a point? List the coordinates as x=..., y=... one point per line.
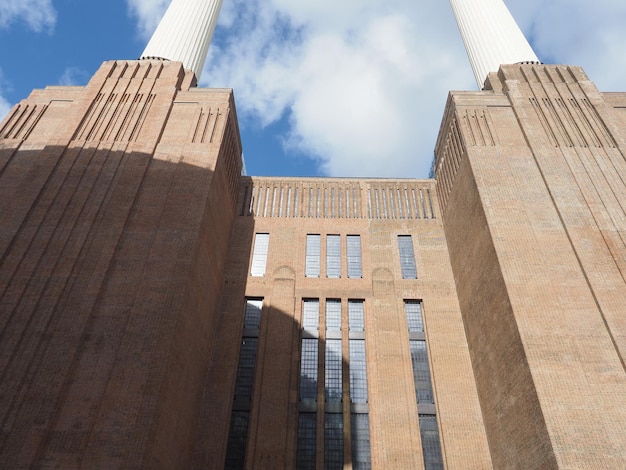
x=358, y=372
x=237, y=438
x=312, y=262
x=307, y=418
x=421, y=372
x=240, y=416
x=333, y=369
x=310, y=315
x=333, y=256
x=333, y=441
x=259, y=254
x=354, y=256
x=333, y=315
x=407, y=257
x=308, y=370
x=413, y=311
x=307, y=436
x=431, y=448
x=333, y=388
x=356, y=321
x=361, y=457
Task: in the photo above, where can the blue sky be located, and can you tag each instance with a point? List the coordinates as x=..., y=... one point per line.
x=348, y=88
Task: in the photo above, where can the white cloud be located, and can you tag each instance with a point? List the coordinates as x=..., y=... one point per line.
x=148, y=13
x=74, y=76
x=363, y=84
x=5, y=106
x=363, y=93
x=39, y=15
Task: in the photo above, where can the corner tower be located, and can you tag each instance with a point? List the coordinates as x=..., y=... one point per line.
x=116, y=204
x=530, y=177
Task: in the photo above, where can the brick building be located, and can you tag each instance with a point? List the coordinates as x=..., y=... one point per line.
x=159, y=310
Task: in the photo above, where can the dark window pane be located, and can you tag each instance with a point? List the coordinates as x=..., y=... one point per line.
x=431, y=447
x=237, y=438
x=333, y=441
x=245, y=369
x=305, y=454
x=308, y=370
x=252, y=318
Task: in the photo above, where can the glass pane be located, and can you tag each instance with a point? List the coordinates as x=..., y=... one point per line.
x=358, y=374
x=431, y=448
x=355, y=315
x=305, y=455
x=421, y=372
x=333, y=256
x=259, y=254
x=245, y=369
x=354, y=256
x=333, y=314
x=333, y=370
x=237, y=438
x=407, y=257
x=308, y=370
x=361, y=457
x=333, y=441
x=413, y=310
x=252, y=318
x=312, y=262
x=310, y=314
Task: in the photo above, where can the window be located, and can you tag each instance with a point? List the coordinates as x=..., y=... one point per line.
x=333, y=315
x=312, y=262
x=310, y=315
x=333, y=370
x=245, y=369
x=354, y=256
x=358, y=373
x=413, y=311
x=252, y=318
x=305, y=454
x=361, y=458
x=308, y=370
x=333, y=256
x=333, y=441
x=407, y=257
x=237, y=437
x=431, y=448
x=421, y=372
x=259, y=254
x=355, y=316
x=240, y=415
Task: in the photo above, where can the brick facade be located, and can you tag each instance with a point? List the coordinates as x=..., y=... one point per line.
x=127, y=236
